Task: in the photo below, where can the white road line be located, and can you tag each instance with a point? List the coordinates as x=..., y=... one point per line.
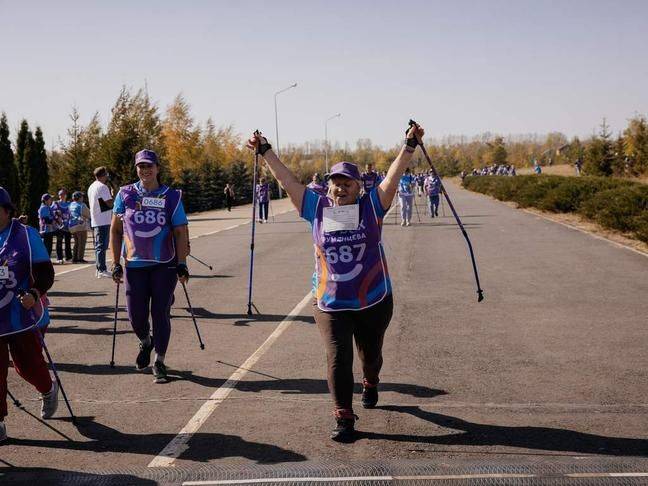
x=608, y=475
x=289, y=480
x=440, y=477
x=593, y=235
x=179, y=443
x=74, y=269
x=359, y=478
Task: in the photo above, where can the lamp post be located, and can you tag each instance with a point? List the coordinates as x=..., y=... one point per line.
x=294, y=85
x=326, y=139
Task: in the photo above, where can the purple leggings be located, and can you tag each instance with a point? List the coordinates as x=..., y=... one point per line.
x=151, y=287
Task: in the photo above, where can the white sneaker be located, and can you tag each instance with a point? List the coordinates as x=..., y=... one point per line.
x=50, y=401
x=408, y=223
x=3, y=432
x=403, y=223
x=60, y=262
x=265, y=220
x=104, y=274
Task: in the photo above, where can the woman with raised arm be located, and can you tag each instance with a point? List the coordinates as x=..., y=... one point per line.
x=352, y=290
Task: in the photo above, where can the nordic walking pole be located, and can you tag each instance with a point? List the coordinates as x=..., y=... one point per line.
x=417, y=211
x=201, y=262
x=254, y=201
x=480, y=292
x=184, y=287
x=14, y=399
x=56, y=375
x=112, y=356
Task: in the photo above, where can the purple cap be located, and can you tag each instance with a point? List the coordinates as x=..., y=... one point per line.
x=45, y=197
x=346, y=169
x=5, y=198
x=146, y=157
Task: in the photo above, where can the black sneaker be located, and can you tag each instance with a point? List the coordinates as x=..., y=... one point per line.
x=344, y=430
x=160, y=372
x=369, y=396
x=144, y=356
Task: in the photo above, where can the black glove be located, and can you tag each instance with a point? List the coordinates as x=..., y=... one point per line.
x=264, y=145
x=411, y=142
x=117, y=271
x=182, y=270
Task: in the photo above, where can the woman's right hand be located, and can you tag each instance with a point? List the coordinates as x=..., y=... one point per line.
x=258, y=143
x=255, y=140
x=117, y=273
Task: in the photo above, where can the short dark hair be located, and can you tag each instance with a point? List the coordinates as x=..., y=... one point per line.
x=100, y=171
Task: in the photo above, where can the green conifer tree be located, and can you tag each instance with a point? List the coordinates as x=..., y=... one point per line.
x=8, y=171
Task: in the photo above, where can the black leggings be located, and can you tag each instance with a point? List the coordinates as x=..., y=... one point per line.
x=338, y=329
x=263, y=210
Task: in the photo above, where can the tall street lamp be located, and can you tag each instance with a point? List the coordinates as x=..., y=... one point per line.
x=294, y=85
x=326, y=139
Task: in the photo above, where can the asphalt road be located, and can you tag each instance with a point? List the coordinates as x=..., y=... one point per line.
x=550, y=369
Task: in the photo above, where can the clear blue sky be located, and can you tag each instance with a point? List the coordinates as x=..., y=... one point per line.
x=461, y=67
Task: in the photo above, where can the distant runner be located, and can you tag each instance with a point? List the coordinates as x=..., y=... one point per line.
x=433, y=189
x=352, y=289
x=406, y=196
x=370, y=178
x=150, y=221
x=61, y=210
x=318, y=185
x=263, y=199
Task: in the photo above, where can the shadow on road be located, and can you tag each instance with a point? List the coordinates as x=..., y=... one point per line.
x=539, y=438
x=202, y=446
x=87, y=293
x=106, y=314
x=290, y=386
x=104, y=331
x=89, y=314
x=244, y=319
x=42, y=476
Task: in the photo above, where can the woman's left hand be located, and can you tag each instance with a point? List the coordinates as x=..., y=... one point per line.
x=27, y=301
x=417, y=131
x=183, y=272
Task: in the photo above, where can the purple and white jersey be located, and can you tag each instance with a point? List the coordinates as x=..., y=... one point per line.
x=148, y=232
x=350, y=266
x=263, y=192
x=369, y=180
x=16, y=274
x=61, y=211
x=432, y=185
x=319, y=187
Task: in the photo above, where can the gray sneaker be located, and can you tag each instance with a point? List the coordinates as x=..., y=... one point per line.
x=50, y=401
x=3, y=432
x=160, y=373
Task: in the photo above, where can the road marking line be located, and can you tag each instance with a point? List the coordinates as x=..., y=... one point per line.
x=439, y=477
x=359, y=478
x=593, y=235
x=74, y=269
x=179, y=443
x=608, y=475
x=289, y=480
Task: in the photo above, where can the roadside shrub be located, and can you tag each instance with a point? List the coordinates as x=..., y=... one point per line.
x=617, y=204
x=623, y=208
